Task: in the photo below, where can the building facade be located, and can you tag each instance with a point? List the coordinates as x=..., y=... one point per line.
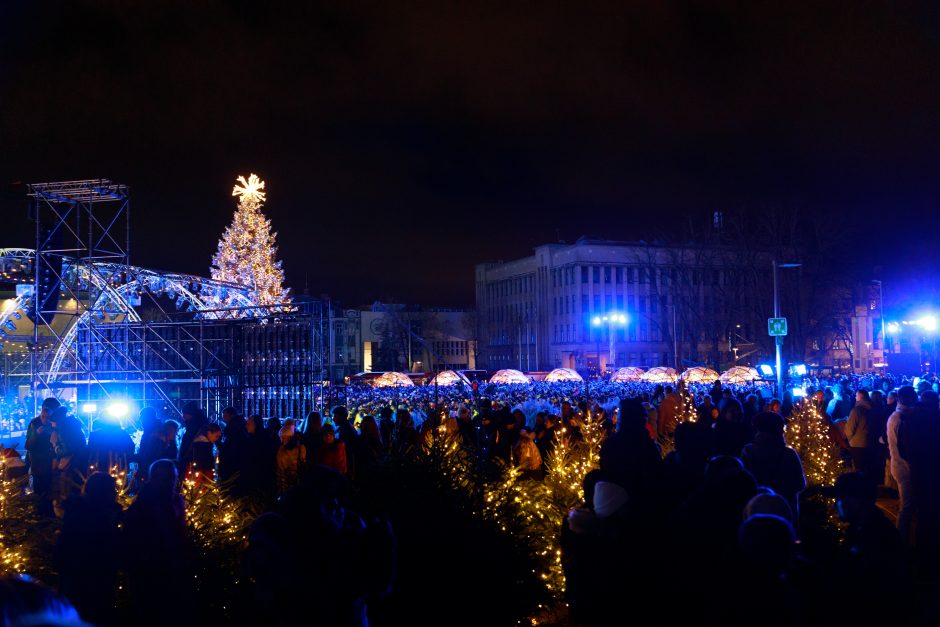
x=417, y=339
x=664, y=306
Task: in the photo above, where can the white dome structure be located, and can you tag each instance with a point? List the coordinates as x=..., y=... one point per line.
x=739, y=375
x=699, y=374
x=627, y=374
x=660, y=374
x=448, y=377
x=509, y=376
x=392, y=379
x=563, y=374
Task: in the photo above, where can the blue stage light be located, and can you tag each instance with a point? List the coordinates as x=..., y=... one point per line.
x=766, y=370
x=89, y=408
x=799, y=370
x=799, y=392
x=117, y=409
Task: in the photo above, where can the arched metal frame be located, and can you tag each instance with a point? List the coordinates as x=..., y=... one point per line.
x=110, y=287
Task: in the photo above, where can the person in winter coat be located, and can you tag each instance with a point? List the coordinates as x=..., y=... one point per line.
x=152, y=442
x=233, y=454
x=194, y=419
x=900, y=459
x=201, y=463
x=109, y=446
x=331, y=453
x=291, y=457
x=88, y=549
x=772, y=462
x=71, y=454
x=861, y=434
x=41, y=454
x=526, y=455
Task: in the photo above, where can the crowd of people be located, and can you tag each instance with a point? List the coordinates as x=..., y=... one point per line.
x=717, y=519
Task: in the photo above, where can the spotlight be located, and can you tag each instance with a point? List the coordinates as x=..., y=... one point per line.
x=928, y=323
x=89, y=408
x=117, y=409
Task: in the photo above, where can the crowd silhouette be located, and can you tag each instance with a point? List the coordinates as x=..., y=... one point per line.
x=722, y=529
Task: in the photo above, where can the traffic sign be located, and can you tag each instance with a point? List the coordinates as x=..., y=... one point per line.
x=776, y=326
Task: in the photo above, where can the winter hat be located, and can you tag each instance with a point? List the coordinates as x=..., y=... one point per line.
x=608, y=498
x=769, y=503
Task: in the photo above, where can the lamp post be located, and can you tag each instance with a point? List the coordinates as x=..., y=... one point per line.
x=881, y=310
x=778, y=341
x=612, y=319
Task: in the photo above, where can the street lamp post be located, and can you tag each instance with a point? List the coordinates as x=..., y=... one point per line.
x=612, y=319
x=881, y=310
x=778, y=340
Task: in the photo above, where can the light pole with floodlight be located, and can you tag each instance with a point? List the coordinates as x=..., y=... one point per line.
x=612, y=320
x=778, y=340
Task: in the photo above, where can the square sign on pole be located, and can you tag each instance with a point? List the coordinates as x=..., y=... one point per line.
x=776, y=327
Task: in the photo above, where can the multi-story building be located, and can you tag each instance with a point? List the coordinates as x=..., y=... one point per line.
x=415, y=339
x=664, y=305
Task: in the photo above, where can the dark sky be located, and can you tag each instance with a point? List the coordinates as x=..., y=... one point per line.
x=403, y=142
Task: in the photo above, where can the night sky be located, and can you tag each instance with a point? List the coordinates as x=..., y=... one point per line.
x=404, y=142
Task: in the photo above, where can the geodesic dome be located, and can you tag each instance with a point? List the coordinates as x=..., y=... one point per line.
x=699, y=374
x=563, y=374
x=739, y=375
x=660, y=374
x=627, y=374
x=448, y=377
x=509, y=376
x=390, y=379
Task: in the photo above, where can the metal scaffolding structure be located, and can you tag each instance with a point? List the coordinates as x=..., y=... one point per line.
x=102, y=328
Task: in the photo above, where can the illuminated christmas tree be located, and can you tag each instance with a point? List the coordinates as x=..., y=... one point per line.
x=246, y=254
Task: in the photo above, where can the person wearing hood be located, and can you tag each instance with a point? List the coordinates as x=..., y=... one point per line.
x=526, y=455
x=773, y=463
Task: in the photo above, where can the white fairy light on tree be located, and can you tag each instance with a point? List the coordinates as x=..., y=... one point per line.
x=247, y=250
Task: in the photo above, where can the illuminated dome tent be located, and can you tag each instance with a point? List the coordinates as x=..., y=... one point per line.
x=699, y=374
x=448, y=377
x=739, y=375
x=563, y=374
x=509, y=376
x=627, y=374
x=660, y=374
x=390, y=379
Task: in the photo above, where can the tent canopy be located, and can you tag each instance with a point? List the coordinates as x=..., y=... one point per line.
x=699, y=374
x=660, y=374
x=739, y=375
x=389, y=379
x=448, y=377
x=627, y=374
x=509, y=376
x=563, y=374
